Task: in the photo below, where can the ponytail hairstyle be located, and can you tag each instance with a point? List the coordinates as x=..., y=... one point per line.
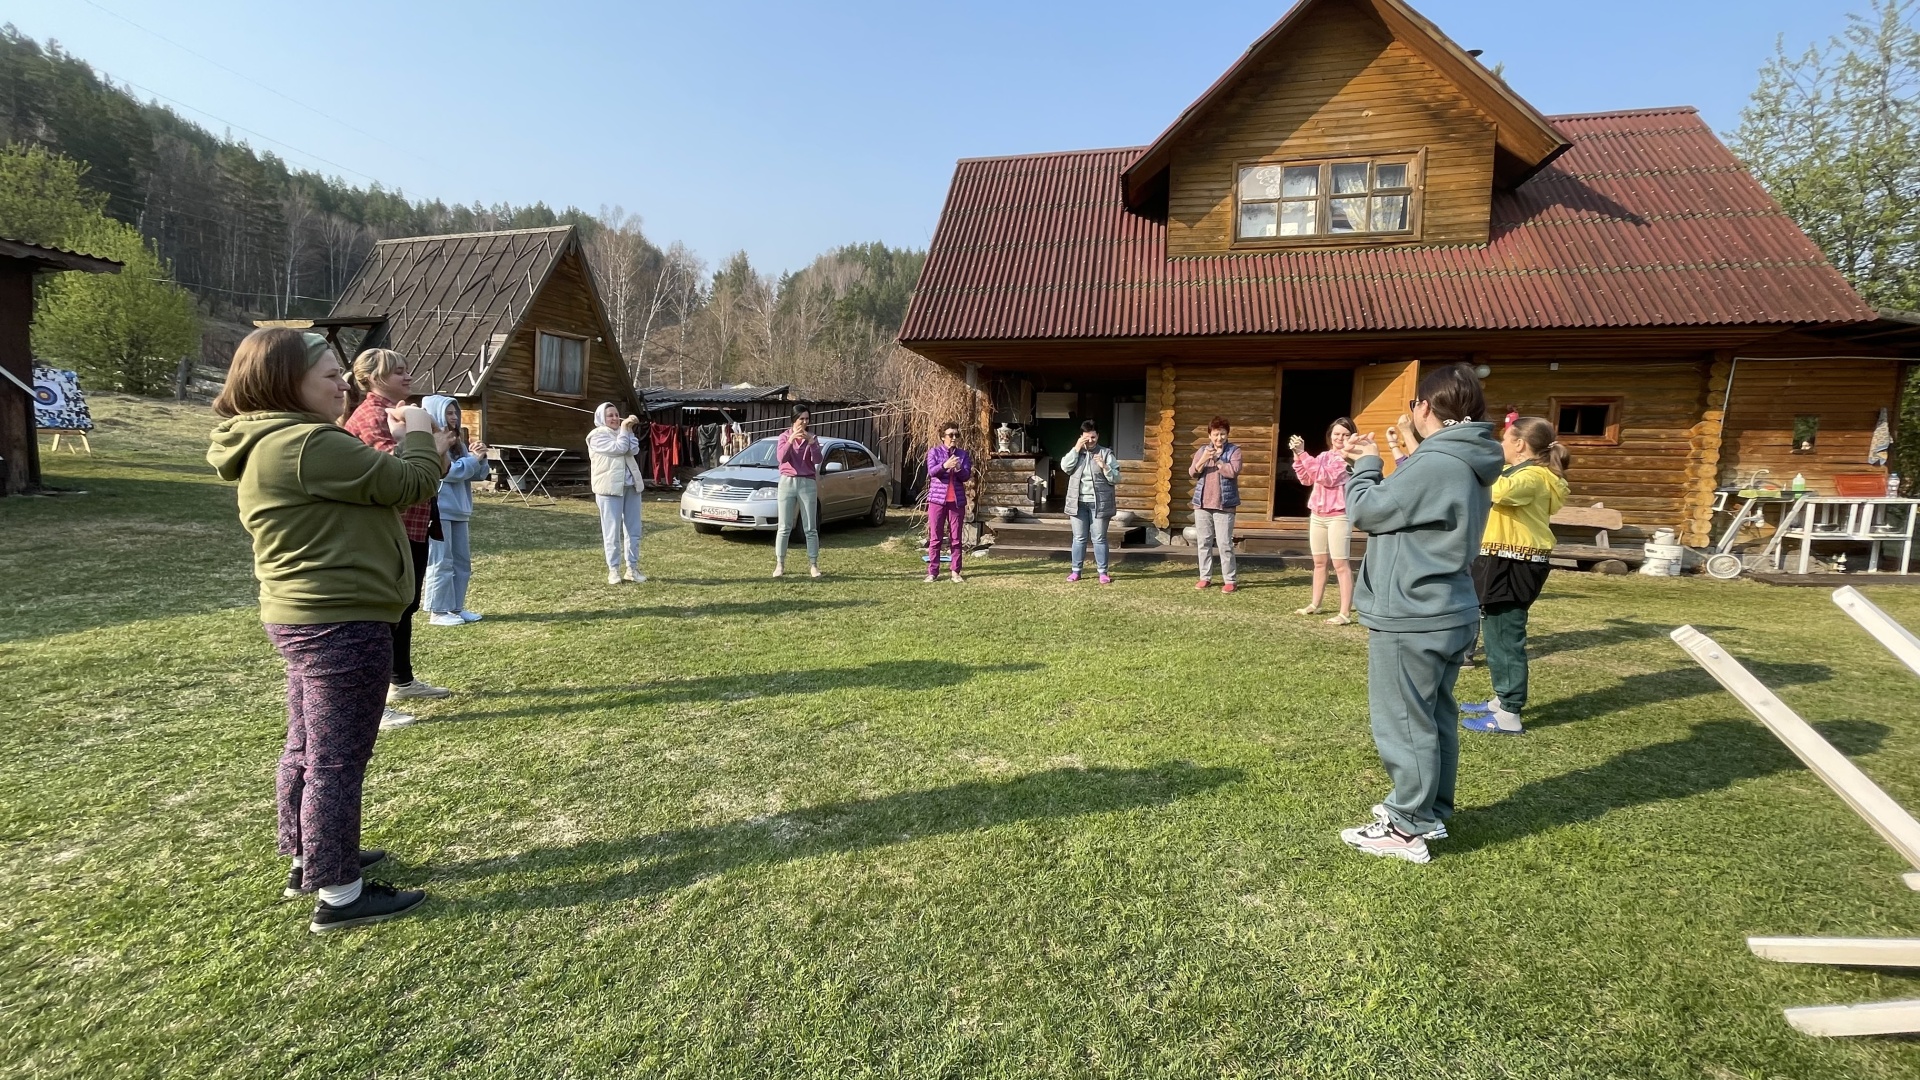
x=1540, y=438
x=1453, y=393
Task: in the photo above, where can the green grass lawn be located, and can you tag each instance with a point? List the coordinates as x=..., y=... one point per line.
x=718, y=825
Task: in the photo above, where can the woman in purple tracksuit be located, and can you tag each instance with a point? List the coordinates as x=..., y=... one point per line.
x=949, y=467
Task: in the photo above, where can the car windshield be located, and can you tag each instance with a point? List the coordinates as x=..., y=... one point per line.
x=760, y=453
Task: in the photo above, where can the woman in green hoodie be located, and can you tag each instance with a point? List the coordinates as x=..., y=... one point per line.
x=1416, y=597
x=335, y=573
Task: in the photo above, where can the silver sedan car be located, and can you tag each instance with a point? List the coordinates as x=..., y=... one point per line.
x=743, y=493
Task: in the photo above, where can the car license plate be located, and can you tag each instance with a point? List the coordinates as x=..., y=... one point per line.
x=719, y=513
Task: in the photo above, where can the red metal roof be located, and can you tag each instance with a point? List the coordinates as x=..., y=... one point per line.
x=1647, y=221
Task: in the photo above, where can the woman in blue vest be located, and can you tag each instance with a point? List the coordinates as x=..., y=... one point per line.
x=1216, y=494
x=1092, y=471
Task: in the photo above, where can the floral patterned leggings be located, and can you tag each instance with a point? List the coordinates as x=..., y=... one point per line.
x=336, y=686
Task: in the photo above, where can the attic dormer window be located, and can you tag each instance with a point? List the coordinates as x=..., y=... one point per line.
x=1327, y=200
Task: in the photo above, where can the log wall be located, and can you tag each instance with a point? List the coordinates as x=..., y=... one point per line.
x=1344, y=87
x=1645, y=476
x=1847, y=396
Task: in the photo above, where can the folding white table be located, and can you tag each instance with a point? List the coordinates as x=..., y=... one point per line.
x=527, y=467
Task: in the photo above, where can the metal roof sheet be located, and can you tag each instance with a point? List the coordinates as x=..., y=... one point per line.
x=445, y=297
x=1648, y=220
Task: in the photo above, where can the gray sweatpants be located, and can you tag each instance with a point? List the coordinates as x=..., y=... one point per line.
x=1215, y=529
x=1416, y=723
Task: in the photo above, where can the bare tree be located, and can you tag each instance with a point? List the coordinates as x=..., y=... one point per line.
x=296, y=213
x=618, y=253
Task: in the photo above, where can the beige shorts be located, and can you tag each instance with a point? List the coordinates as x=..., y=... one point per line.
x=1330, y=536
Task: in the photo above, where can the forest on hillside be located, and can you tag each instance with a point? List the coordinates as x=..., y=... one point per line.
x=250, y=236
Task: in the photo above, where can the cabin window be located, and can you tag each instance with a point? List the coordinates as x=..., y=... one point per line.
x=1310, y=200
x=560, y=366
x=1805, y=430
x=1594, y=421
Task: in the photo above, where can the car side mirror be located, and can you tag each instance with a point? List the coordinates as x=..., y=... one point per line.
x=836, y=466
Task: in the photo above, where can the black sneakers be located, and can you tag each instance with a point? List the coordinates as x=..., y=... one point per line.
x=377, y=903
x=295, y=890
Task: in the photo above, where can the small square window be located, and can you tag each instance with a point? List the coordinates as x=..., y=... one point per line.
x=1587, y=420
x=1806, y=429
x=560, y=366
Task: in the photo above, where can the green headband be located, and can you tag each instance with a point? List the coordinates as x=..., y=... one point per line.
x=317, y=347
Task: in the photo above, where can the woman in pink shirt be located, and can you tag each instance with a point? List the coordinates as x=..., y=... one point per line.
x=1328, y=534
x=799, y=454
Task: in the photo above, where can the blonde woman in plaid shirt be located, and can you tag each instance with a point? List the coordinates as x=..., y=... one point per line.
x=382, y=375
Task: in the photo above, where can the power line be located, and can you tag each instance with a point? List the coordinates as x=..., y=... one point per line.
x=249, y=78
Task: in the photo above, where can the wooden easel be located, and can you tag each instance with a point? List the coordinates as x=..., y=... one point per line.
x=1897, y=827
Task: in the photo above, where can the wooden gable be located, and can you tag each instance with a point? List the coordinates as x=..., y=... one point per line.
x=566, y=304
x=1343, y=85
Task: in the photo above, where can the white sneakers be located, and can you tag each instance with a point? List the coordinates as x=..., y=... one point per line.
x=613, y=577
x=391, y=718
x=634, y=575
x=415, y=689
x=446, y=618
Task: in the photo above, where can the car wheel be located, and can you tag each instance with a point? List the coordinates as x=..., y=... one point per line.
x=877, y=516
x=706, y=528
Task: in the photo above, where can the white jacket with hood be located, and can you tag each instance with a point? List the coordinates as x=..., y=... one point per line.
x=612, y=453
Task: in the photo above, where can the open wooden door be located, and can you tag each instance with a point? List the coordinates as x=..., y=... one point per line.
x=1380, y=394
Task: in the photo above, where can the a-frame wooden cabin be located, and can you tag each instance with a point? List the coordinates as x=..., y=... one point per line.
x=511, y=324
x=1358, y=197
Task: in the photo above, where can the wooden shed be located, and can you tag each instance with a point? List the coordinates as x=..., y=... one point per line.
x=1358, y=198
x=510, y=324
x=20, y=263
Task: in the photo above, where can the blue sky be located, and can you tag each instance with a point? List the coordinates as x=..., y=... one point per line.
x=788, y=128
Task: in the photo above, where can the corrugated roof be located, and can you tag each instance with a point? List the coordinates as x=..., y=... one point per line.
x=1646, y=221
x=48, y=257
x=445, y=297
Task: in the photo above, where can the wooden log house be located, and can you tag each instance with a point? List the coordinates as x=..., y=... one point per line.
x=1358, y=198
x=509, y=323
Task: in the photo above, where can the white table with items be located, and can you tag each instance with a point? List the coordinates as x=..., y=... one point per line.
x=1838, y=518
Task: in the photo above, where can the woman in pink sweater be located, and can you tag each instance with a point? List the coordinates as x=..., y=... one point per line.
x=1328, y=534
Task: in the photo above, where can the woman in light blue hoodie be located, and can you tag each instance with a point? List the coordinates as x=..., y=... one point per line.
x=450, y=558
x=1416, y=598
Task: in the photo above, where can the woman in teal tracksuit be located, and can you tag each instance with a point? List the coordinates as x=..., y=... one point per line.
x=1417, y=600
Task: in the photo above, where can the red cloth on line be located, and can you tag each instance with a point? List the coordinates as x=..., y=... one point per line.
x=369, y=424
x=664, y=442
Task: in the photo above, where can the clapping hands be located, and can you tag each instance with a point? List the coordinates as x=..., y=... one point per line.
x=1359, y=446
x=1296, y=444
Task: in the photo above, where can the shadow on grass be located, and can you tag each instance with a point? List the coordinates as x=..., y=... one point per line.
x=1660, y=687
x=902, y=675
x=659, y=862
x=1714, y=755
x=1613, y=632
x=680, y=611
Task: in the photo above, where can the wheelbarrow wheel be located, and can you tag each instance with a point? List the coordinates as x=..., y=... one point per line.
x=1725, y=567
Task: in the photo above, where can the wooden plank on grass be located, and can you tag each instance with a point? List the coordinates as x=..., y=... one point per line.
x=1898, y=641
x=1851, y=952
x=1876, y=1018
x=1888, y=818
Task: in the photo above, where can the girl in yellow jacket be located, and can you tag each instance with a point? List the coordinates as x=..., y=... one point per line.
x=1512, y=567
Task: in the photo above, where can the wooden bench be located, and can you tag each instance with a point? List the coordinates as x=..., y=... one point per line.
x=1597, y=555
